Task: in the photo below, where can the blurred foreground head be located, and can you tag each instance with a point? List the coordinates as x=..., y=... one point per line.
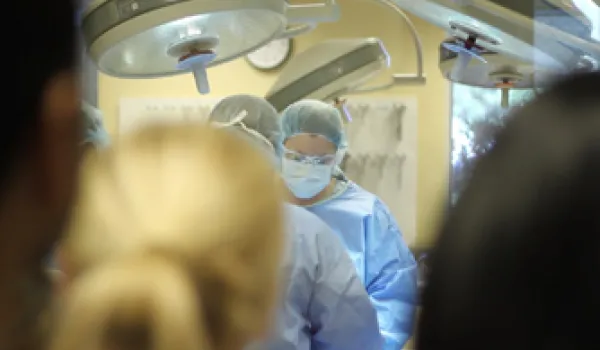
x=39, y=155
x=517, y=264
x=174, y=244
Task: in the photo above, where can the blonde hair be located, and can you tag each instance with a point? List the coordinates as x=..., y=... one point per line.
x=175, y=244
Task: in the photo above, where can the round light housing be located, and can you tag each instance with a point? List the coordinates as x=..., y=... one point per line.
x=135, y=38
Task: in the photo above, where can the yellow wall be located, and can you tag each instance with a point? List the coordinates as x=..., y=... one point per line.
x=359, y=19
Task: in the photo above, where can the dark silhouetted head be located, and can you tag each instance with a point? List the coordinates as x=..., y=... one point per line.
x=39, y=155
x=517, y=264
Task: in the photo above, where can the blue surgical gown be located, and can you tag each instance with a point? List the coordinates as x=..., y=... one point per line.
x=324, y=304
x=384, y=263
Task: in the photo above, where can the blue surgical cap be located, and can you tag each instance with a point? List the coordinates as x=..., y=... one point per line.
x=314, y=117
x=261, y=116
x=93, y=127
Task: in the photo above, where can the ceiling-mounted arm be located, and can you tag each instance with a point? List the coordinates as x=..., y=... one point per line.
x=401, y=79
x=542, y=30
x=327, y=11
x=295, y=30
x=304, y=18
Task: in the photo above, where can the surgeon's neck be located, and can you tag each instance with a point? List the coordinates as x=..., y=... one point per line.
x=326, y=193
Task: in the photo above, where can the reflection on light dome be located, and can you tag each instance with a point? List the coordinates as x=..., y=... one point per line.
x=592, y=12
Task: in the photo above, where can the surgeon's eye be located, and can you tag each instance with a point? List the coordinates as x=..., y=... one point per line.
x=325, y=160
x=291, y=156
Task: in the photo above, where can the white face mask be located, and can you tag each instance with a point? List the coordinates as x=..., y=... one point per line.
x=305, y=180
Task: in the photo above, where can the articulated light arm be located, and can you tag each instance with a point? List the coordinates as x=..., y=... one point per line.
x=327, y=11
x=401, y=79
x=541, y=29
x=304, y=18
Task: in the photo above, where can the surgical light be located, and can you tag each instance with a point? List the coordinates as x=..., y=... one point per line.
x=516, y=34
x=327, y=70
x=558, y=28
x=494, y=71
x=159, y=38
x=333, y=68
x=467, y=49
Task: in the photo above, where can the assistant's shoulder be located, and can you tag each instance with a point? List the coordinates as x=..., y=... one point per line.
x=301, y=216
x=308, y=226
x=294, y=211
x=304, y=221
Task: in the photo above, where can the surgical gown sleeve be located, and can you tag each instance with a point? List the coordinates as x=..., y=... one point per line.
x=391, y=278
x=340, y=312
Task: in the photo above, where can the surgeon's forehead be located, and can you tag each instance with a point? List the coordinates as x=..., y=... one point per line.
x=310, y=144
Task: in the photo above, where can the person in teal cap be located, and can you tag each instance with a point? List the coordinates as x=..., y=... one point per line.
x=324, y=306
x=313, y=145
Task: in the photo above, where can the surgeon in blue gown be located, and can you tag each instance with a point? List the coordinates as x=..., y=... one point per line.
x=324, y=304
x=313, y=145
